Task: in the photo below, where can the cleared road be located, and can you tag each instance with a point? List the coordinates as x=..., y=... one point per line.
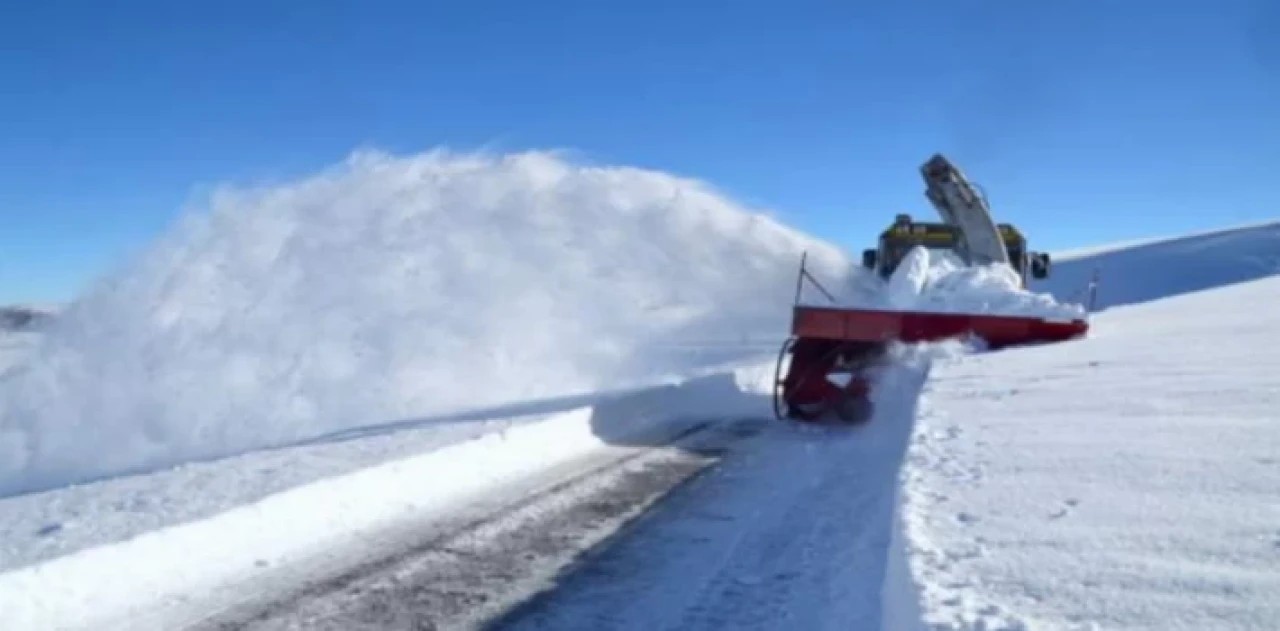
x=747, y=524
x=478, y=566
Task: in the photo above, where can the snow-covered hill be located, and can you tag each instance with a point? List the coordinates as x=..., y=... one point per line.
x=24, y=318
x=1159, y=268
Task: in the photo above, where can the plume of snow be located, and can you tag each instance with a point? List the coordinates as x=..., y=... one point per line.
x=392, y=287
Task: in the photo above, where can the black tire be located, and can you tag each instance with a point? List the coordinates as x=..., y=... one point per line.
x=780, y=411
x=1040, y=266
x=854, y=410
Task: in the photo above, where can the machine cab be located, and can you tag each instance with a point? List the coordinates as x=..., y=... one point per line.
x=905, y=234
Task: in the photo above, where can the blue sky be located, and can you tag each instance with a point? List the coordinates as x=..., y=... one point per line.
x=1086, y=121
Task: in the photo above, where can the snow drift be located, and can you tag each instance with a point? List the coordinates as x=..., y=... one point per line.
x=391, y=287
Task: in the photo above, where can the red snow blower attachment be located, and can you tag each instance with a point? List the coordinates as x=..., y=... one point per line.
x=833, y=349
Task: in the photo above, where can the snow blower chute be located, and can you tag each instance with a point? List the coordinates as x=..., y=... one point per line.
x=832, y=348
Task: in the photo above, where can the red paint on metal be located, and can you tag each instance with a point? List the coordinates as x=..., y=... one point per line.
x=874, y=325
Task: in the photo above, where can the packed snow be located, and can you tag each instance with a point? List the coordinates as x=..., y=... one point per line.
x=169, y=567
x=793, y=530
x=1123, y=481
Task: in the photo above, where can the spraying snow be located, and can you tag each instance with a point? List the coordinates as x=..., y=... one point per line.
x=392, y=287
x=408, y=287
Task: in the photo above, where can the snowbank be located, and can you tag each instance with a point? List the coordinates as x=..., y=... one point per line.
x=393, y=287
x=1125, y=481
x=78, y=590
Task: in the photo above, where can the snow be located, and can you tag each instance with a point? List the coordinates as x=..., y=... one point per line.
x=790, y=531
x=217, y=342
x=15, y=348
x=391, y=288
x=398, y=336
x=1123, y=481
x=167, y=567
x=938, y=282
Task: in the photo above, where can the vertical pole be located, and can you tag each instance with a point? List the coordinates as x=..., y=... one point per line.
x=1093, y=291
x=800, y=278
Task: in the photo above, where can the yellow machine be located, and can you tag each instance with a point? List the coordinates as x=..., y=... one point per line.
x=904, y=234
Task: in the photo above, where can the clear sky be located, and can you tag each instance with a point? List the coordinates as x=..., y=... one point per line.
x=1086, y=120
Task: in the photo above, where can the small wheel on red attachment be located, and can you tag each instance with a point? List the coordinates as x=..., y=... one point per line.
x=781, y=410
x=853, y=408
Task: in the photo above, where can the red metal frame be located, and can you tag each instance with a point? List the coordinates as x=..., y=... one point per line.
x=819, y=335
x=876, y=325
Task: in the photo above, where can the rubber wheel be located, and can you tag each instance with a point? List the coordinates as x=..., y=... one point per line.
x=854, y=410
x=779, y=407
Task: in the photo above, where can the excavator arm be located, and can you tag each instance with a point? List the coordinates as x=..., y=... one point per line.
x=960, y=205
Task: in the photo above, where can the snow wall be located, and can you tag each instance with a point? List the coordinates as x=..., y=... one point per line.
x=392, y=287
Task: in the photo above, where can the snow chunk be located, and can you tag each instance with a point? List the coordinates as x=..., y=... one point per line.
x=937, y=281
x=908, y=281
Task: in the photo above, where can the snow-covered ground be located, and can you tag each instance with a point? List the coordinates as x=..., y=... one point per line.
x=796, y=529
x=163, y=568
x=396, y=338
x=1124, y=481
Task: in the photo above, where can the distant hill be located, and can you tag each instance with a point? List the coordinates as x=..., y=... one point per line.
x=1153, y=269
x=24, y=317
